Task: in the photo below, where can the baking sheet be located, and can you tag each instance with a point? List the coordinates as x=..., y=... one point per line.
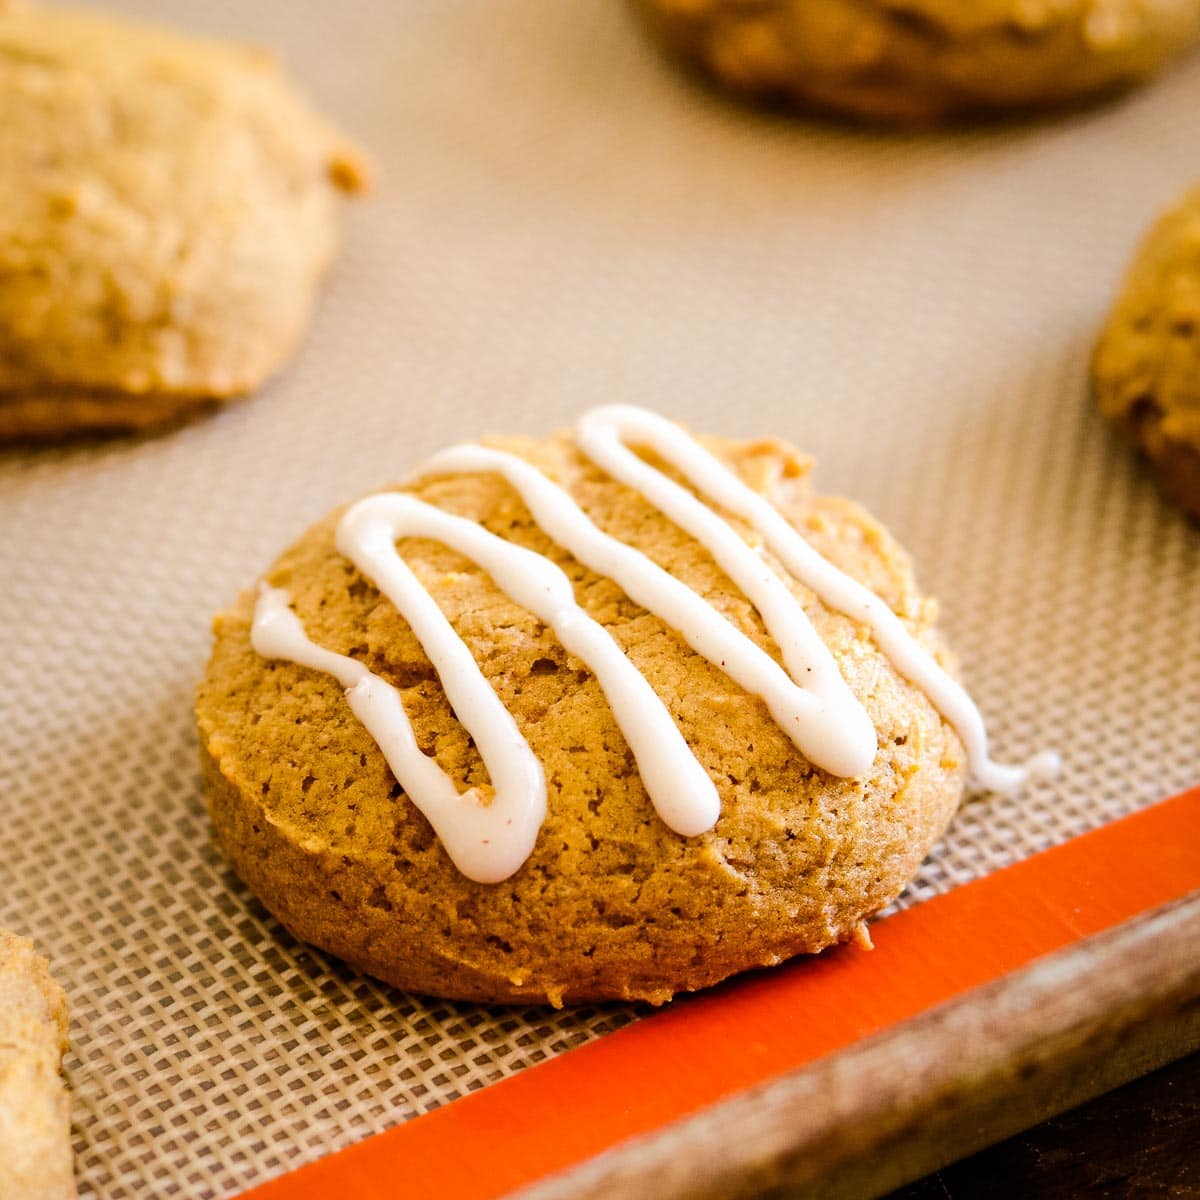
x=561, y=220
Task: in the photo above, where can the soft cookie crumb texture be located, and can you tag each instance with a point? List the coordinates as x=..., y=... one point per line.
x=611, y=904
x=1146, y=369
x=35, y=1119
x=167, y=207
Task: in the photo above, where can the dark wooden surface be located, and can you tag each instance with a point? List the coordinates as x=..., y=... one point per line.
x=1141, y=1142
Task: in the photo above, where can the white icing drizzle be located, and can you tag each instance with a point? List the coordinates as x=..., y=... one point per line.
x=678, y=786
x=489, y=832
x=487, y=841
x=600, y=435
x=822, y=717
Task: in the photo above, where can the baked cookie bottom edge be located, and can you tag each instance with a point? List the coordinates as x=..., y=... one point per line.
x=51, y=413
x=289, y=879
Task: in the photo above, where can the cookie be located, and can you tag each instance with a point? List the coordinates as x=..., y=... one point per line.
x=546, y=725
x=1146, y=367
x=36, y=1161
x=167, y=207
x=922, y=61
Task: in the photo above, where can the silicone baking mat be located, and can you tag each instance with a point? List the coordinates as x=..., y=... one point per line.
x=562, y=220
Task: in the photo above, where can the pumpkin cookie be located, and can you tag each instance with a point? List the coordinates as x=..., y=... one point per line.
x=167, y=207
x=924, y=60
x=1146, y=368
x=546, y=724
x=36, y=1161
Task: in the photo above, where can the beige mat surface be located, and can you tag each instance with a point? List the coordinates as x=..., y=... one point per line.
x=561, y=220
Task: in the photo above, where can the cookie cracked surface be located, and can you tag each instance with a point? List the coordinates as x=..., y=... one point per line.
x=167, y=207
x=611, y=904
x=923, y=61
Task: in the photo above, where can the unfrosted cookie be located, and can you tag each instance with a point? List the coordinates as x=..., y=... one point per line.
x=924, y=60
x=36, y=1161
x=167, y=207
x=1146, y=368
x=734, y=771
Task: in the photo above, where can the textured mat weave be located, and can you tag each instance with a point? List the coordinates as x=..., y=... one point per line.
x=561, y=220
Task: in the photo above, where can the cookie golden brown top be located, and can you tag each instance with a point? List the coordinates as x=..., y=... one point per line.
x=925, y=60
x=611, y=903
x=1146, y=369
x=167, y=205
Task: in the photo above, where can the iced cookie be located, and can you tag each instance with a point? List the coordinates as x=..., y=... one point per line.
x=924, y=60
x=36, y=1161
x=167, y=207
x=613, y=714
x=1146, y=369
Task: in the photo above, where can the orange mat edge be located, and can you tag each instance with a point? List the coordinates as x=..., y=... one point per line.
x=703, y=1049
